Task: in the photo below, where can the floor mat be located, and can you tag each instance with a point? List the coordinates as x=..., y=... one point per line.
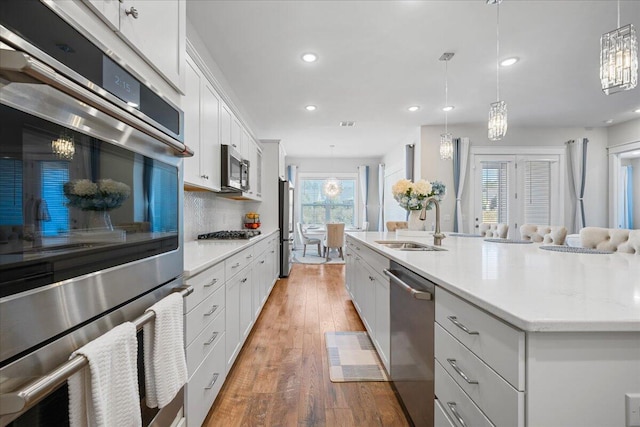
x=312, y=257
x=352, y=357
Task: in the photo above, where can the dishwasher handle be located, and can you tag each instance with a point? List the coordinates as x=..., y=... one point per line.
x=414, y=293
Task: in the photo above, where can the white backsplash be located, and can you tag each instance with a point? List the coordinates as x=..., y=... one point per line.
x=205, y=212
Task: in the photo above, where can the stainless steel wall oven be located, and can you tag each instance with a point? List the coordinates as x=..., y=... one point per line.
x=90, y=200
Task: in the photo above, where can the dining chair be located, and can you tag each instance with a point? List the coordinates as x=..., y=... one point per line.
x=494, y=230
x=610, y=239
x=334, y=239
x=307, y=240
x=548, y=234
x=397, y=225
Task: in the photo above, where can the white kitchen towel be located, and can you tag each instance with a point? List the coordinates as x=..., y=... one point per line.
x=165, y=366
x=105, y=394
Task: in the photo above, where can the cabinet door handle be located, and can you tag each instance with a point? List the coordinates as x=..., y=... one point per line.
x=249, y=256
x=236, y=265
x=459, y=371
x=211, y=283
x=371, y=278
x=212, y=339
x=132, y=12
x=213, y=381
x=243, y=280
x=454, y=411
x=211, y=311
x=262, y=262
x=455, y=321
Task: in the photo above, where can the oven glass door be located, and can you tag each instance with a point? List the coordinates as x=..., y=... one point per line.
x=73, y=204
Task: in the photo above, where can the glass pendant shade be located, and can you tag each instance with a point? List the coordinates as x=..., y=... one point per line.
x=63, y=147
x=446, y=146
x=497, y=121
x=331, y=187
x=619, y=60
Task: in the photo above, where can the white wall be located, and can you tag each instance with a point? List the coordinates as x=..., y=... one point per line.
x=624, y=133
x=596, y=193
x=344, y=165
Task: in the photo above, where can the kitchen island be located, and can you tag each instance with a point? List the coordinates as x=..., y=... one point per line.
x=563, y=329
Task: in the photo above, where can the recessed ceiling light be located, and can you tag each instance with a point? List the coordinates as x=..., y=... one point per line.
x=347, y=124
x=636, y=110
x=609, y=121
x=311, y=108
x=509, y=62
x=413, y=108
x=309, y=57
x=448, y=108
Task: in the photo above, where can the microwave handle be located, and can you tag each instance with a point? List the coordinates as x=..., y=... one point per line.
x=19, y=67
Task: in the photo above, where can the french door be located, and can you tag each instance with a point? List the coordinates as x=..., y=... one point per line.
x=516, y=190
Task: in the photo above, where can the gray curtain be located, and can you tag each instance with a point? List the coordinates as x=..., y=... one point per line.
x=578, y=165
x=460, y=159
x=409, y=161
x=456, y=179
x=363, y=175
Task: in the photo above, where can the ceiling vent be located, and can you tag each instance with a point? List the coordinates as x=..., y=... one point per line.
x=347, y=124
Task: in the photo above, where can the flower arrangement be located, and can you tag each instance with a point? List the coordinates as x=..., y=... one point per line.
x=104, y=195
x=412, y=196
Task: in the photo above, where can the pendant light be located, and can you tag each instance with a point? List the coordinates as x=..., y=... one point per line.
x=63, y=147
x=446, y=142
x=619, y=59
x=498, y=110
x=331, y=187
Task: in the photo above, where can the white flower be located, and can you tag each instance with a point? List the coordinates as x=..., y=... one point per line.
x=401, y=187
x=84, y=187
x=110, y=186
x=422, y=187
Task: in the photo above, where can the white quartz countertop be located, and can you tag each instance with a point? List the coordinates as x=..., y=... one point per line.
x=533, y=289
x=202, y=254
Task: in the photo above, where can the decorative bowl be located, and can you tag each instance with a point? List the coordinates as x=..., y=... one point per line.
x=252, y=225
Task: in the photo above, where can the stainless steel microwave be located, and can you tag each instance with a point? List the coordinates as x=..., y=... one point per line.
x=235, y=171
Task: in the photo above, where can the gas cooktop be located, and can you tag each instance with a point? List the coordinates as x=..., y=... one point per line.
x=229, y=235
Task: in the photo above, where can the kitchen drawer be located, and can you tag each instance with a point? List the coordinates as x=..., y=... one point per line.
x=205, y=384
x=441, y=419
x=237, y=262
x=498, y=344
x=202, y=345
x=456, y=403
x=502, y=403
x=204, y=284
x=198, y=318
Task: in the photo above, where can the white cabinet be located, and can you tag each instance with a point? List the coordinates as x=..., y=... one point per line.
x=232, y=309
x=282, y=169
x=226, y=118
x=255, y=170
x=370, y=293
x=155, y=29
x=236, y=136
x=201, y=106
x=245, y=143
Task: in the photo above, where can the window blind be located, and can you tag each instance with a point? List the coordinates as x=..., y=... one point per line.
x=537, y=192
x=495, y=194
x=52, y=212
x=11, y=194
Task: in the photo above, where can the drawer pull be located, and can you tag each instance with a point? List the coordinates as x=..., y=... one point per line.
x=459, y=371
x=455, y=321
x=212, y=339
x=454, y=411
x=243, y=280
x=213, y=381
x=210, y=312
x=236, y=265
x=262, y=262
x=249, y=256
x=211, y=283
x=371, y=278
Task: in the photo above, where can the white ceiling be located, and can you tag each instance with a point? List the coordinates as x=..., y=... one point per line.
x=377, y=58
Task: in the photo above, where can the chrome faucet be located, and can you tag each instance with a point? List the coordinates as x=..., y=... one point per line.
x=437, y=236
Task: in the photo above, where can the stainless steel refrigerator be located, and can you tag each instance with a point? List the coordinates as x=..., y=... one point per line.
x=285, y=194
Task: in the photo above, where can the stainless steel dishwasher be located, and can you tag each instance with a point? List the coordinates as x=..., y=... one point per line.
x=412, y=358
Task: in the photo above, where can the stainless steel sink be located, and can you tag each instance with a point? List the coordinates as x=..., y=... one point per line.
x=408, y=246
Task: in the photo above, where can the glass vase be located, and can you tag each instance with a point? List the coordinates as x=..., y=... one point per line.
x=100, y=220
x=415, y=223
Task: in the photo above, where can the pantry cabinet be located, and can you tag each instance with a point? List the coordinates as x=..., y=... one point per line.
x=201, y=106
x=156, y=30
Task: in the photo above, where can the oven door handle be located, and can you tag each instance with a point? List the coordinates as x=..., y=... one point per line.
x=19, y=67
x=33, y=392
x=414, y=293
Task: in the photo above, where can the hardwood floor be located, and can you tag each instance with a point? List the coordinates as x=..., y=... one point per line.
x=281, y=377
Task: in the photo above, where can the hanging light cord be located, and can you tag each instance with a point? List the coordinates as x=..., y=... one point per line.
x=498, y=51
x=446, y=93
x=618, y=13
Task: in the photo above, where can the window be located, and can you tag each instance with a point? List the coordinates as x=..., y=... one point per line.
x=317, y=208
x=494, y=192
x=537, y=192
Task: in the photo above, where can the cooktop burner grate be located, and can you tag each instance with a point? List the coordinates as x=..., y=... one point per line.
x=229, y=235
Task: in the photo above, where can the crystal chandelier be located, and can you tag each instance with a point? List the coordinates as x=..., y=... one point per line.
x=331, y=187
x=619, y=59
x=63, y=147
x=497, y=127
x=446, y=142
